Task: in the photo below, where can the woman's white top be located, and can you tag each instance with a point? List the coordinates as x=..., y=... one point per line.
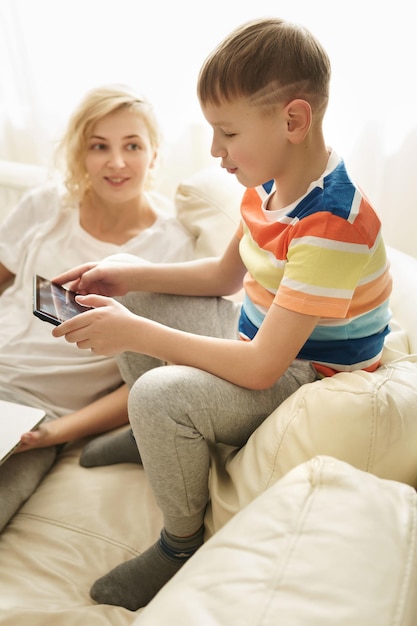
x=43, y=236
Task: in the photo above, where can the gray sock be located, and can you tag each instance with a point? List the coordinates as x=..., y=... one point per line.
x=133, y=584
x=110, y=449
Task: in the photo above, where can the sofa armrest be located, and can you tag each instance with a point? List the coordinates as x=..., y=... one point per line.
x=327, y=544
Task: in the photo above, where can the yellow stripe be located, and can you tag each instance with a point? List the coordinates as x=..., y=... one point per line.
x=325, y=267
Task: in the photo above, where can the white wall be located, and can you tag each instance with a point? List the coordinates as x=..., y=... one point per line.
x=53, y=51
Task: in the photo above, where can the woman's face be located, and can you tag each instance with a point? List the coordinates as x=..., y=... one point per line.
x=119, y=156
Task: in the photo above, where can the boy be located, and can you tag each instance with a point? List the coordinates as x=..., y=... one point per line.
x=310, y=255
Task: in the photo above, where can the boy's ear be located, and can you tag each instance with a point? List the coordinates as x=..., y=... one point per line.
x=299, y=117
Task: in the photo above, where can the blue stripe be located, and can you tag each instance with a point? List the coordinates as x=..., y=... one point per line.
x=344, y=352
x=268, y=186
x=246, y=328
x=338, y=351
x=336, y=196
x=252, y=312
x=367, y=324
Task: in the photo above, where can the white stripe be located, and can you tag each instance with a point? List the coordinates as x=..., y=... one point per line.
x=331, y=244
x=351, y=368
x=262, y=192
x=368, y=279
x=315, y=290
x=354, y=209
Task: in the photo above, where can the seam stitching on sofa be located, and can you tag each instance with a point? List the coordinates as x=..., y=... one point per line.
x=377, y=386
x=293, y=538
x=374, y=426
x=272, y=478
x=406, y=588
x=81, y=531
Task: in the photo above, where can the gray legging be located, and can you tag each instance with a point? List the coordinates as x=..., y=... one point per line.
x=177, y=411
x=21, y=473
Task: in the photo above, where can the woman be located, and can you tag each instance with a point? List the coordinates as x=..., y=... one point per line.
x=104, y=208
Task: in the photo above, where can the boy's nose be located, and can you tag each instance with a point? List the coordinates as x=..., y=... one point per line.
x=217, y=150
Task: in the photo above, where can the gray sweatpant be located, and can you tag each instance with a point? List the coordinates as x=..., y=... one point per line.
x=177, y=411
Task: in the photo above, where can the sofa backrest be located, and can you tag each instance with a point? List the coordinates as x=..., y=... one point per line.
x=208, y=203
x=404, y=294
x=15, y=180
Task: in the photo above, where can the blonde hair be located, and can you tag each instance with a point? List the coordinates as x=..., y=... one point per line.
x=268, y=61
x=95, y=105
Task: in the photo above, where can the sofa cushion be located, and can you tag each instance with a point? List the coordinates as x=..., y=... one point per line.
x=366, y=419
x=327, y=544
x=76, y=527
x=208, y=205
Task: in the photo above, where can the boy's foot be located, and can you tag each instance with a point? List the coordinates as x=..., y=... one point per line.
x=133, y=584
x=110, y=449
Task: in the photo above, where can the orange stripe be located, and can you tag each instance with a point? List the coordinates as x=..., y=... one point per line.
x=368, y=229
x=328, y=371
x=371, y=295
x=258, y=295
x=311, y=304
x=321, y=224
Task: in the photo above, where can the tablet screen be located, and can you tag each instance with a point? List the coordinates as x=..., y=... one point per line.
x=53, y=303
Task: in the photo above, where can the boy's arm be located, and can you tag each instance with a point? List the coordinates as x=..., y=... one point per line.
x=100, y=416
x=256, y=364
x=217, y=276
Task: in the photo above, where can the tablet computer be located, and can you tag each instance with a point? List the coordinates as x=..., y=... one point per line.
x=16, y=419
x=53, y=303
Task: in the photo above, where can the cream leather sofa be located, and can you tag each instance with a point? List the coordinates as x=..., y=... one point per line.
x=313, y=522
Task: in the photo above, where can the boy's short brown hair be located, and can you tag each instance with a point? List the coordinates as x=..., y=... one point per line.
x=268, y=61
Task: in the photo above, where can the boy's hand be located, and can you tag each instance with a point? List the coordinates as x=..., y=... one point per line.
x=106, y=279
x=105, y=330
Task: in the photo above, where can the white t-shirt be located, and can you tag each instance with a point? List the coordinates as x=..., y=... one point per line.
x=43, y=236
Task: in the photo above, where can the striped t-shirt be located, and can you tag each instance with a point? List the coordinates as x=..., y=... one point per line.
x=322, y=256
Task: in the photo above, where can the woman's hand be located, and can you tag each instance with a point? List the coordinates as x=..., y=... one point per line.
x=106, y=329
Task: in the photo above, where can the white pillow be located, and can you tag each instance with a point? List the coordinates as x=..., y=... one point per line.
x=325, y=545
x=208, y=205
x=366, y=419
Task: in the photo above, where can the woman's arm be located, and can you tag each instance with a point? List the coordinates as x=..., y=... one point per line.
x=6, y=277
x=104, y=414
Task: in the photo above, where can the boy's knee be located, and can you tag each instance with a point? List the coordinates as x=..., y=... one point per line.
x=157, y=386
x=163, y=391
